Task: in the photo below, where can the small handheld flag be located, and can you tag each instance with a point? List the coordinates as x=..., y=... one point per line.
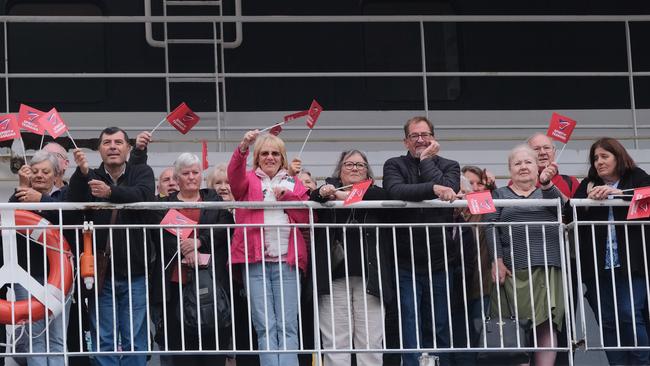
x=357, y=192
x=173, y=217
x=561, y=128
x=28, y=119
x=480, y=202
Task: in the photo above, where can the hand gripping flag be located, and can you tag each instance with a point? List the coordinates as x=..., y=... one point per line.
x=28, y=119
x=357, y=192
x=182, y=118
x=174, y=217
x=53, y=123
x=480, y=202
x=560, y=128
x=313, y=113
x=275, y=130
x=9, y=128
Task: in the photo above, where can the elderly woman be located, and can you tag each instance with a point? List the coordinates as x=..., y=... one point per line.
x=536, y=250
x=37, y=184
x=218, y=180
x=273, y=255
x=348, y=278
x=210, y=241
x=617, y=266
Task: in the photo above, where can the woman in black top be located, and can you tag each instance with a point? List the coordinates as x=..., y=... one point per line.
x=620, y=253
x=350, y=265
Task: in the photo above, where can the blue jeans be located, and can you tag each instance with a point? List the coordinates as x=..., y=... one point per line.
x=123, y=315
x=625, y=310
x=40, y=336
x=409, y=302
x=271, y=335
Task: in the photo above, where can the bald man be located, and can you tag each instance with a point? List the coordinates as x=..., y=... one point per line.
x=62, y=156
x=543, y=146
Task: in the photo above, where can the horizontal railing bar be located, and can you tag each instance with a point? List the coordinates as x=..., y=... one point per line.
x=345, y=74
x=329, y=19
x=264, y=205
x=585, y=202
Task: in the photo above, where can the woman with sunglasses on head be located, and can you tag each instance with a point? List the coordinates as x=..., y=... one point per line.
x=350, y=264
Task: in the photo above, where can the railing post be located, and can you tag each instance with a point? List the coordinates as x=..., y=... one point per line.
x=630, y=78
x=424, y=71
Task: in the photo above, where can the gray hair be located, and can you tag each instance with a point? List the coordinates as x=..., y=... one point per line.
x=519, y=148
x=42, y=155
x=347, y=154
x=221, y=168
x=185, y=160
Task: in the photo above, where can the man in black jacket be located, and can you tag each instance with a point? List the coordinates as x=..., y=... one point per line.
x=420, y=175
x=117, y=181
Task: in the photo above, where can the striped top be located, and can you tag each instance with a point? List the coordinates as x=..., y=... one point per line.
x=500, y=235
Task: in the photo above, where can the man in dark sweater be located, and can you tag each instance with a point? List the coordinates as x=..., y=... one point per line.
x=421, y=175
x=117, y=181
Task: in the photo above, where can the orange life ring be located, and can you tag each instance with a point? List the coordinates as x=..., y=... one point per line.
x=50, y=236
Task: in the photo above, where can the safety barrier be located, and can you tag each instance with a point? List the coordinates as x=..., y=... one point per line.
x=351, y=291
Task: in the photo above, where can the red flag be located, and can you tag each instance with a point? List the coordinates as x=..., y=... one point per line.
x=641, y=193
x=53, y=123
x=276, y=130
x=314, y=112
x=182, y=118
x=174, y=217
x=9, y=128
x=291, y=117
x=480, y=202
x=560, y=128
x=357, y=192
x=639, y=209
x=204, y=154
x=28, y=119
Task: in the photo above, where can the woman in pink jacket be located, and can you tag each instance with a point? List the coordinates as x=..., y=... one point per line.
x=272, y=256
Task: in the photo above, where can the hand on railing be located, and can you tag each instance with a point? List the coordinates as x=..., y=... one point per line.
x=602, y=192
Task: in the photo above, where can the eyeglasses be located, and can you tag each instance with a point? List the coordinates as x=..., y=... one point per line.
x=415, y=136
x=350, y=165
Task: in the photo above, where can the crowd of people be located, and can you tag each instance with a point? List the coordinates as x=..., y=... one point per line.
x=395, y=287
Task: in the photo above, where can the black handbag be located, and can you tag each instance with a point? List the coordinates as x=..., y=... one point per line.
x=516, y=334
x=208, y=292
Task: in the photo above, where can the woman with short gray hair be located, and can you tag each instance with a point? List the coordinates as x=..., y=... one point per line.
x=36, y=184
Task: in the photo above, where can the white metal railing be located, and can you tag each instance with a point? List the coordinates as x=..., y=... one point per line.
x=178, y=340
x=391, y=341
x=622, y=320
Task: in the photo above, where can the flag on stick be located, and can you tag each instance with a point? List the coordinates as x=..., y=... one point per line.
x=28, y=119
x=9, y=128
x=357, y=192
x=314, y=112
x=561, y=128
x=174, y=217
x=480, y=202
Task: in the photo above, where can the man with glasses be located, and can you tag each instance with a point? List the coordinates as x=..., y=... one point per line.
x=421, y=175
x=543, y=146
